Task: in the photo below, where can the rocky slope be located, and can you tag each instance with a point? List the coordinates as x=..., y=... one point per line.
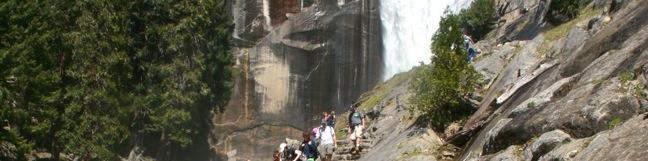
x=294, y=63
x=577, y=81
x=574, y=91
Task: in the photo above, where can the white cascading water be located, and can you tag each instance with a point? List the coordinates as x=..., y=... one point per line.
x=408, y=26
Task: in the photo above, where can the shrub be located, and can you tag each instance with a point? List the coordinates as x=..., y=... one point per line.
x=440, y=88
x=478, y=18
x=561, y=11
x=531, y=104
x=614, y=122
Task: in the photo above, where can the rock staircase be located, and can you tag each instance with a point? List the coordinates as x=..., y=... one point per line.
x=345, y=151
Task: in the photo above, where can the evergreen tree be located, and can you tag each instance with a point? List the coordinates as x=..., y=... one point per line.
x=90, y=79
x=440, y=89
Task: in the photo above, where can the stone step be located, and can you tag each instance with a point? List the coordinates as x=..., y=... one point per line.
x=348, y=150
x=349, y=141
x=346, y=157
x=363, y=143
x=352, y=154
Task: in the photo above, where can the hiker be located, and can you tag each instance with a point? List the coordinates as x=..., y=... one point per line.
x=325, y=116
x=315, y=135
x=468, y=46
x=328, y=142
x=329, y=118
x=308, y=148
x=356, y=123
x=276, y=155
x=289, y=150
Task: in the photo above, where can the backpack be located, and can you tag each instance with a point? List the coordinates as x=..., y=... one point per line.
x=330, y=121
x=310, y=150
x=291, y=146
x=356, y=119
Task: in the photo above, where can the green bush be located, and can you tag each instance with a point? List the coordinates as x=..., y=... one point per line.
x=561, y=11
x=531, y=104
x=440, y=88
x=478, y=18
x=93, y=79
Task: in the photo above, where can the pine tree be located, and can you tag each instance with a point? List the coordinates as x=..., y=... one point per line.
x=89, y=79
x=440, y=89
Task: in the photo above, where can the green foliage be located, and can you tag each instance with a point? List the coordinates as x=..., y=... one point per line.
x=478, y=18
x=561, y=11
x=92, y=78
x=614, y=122
x=440, y=88
x=563, y=29
x=531, y=104
x=626, y=76
x=376, y=95
x=639, y=91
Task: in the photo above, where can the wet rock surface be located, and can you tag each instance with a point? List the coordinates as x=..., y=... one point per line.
x=294, y=64
x=577, y=93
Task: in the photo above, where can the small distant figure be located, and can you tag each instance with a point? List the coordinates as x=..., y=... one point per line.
x=356, y=124
x=276, y=156
x=469, y=46
x=330, y=119
x=325, y=116
x=316, y=135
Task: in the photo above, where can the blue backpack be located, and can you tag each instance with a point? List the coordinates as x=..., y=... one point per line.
x=310, y=150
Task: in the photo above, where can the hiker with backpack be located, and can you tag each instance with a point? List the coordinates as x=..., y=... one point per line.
x=327, y=141
x=309, y=148
x=356, y=123
x=329, y=118
x=289, y=150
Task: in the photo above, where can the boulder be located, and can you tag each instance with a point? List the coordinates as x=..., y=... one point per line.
x=545, y=143
x=512, y=153
x=492, y=143
x=566, y=151
x=624, y=142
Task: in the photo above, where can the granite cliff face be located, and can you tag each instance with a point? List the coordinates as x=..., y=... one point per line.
x=571, y=91
x=565, y=87
x=295, y=63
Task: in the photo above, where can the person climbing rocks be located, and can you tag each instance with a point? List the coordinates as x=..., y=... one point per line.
x=308, y=148
x=289, y=150
x=276, y=155
x=328, y=142
x=469, y=46
x=330, y=119
x=356, y=123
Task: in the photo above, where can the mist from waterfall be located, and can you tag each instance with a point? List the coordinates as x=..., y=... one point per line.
x=408, y=26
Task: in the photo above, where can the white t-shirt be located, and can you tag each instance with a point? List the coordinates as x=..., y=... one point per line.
x=327, y=135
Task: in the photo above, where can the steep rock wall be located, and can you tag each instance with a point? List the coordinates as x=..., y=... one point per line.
x=318, y=59
x=581, y=80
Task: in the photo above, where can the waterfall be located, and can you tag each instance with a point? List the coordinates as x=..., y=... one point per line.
x=408, y=26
